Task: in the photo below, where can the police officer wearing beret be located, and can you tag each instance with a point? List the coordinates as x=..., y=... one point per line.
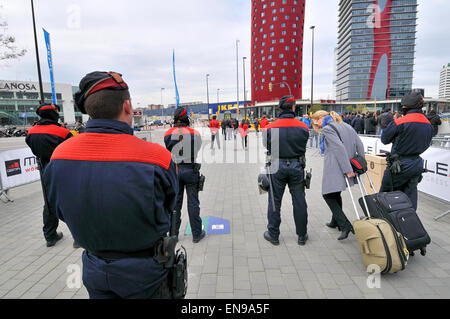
x=120, y=197
x=410, y=136
x=184, y=143
x=43, y=138
x=285, y=140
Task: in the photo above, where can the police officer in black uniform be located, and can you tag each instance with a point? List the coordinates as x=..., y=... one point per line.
x=43, y=138
x=410, y=136
x=285, y=140
x=184, y=143
x=116, y=193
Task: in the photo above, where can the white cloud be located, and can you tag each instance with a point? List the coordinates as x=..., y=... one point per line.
x=136, y=38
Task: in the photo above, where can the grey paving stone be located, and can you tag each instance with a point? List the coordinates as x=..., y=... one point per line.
x=241, y=264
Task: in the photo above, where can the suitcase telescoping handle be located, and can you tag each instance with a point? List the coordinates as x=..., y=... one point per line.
x=353, y=200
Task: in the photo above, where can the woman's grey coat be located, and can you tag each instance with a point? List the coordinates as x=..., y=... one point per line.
x=338, y=155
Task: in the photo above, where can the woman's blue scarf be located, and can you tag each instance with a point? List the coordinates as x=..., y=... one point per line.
x=327, y=120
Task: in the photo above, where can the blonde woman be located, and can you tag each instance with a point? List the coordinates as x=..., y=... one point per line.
x=340, y=143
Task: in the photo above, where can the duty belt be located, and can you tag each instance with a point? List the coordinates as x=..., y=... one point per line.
x=116, y=255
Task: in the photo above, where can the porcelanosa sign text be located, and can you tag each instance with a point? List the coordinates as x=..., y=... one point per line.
x=17, y=86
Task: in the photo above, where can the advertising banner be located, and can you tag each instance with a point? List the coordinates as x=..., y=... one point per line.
x=436, y=181
x=50, y=64
x=17, y=167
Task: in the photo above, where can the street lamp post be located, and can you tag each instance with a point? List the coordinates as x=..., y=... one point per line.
x=37, y=55
x=312, y=69
x=218, y=96
x=162, y=105
x=245, y=93
x=207, y=90
x=237, y=71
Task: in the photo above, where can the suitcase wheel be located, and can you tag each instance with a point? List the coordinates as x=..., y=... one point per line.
x=423, y=251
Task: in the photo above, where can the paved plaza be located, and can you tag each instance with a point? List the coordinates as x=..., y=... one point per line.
x=240, y=264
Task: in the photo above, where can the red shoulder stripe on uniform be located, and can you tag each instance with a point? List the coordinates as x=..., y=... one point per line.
x=49, y=129
x=112, y=148
x=287, y=123
x=184, y=130
x=412, y=118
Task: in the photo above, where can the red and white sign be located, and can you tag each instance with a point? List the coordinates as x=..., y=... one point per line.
x=17, y=167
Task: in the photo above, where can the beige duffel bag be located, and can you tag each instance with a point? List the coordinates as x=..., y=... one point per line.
x=380, y=244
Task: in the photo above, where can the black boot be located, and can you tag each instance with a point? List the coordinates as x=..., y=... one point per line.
x=345, y=234
x=333, y=224
x=52, y=242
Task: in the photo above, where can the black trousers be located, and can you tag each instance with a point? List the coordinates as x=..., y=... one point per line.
x=51, y=222
x=334, y=201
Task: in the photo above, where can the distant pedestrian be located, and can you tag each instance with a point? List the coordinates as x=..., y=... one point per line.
x=243, y=131
x=214, y=127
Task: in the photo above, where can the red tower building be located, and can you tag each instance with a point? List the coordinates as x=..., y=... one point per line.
x=277, y=49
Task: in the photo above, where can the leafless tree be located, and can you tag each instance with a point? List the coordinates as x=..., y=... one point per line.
x=8, y=49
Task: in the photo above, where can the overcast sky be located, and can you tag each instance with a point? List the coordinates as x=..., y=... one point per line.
x=136, y=38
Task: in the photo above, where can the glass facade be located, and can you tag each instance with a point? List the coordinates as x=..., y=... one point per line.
x=375, y=49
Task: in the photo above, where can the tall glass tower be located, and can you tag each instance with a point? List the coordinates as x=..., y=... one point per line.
x=376, y=46
x=277, y=49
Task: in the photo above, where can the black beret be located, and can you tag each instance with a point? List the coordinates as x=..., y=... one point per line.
x=286, y=102
x=181, y=115
x=47, y=107
x=413, y=100
x=97, y=81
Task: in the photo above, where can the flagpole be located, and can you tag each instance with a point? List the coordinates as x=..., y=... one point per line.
x=37, y=55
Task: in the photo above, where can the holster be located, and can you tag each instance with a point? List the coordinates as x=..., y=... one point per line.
x=201, y=179
x=178, y=275
x=308, y=178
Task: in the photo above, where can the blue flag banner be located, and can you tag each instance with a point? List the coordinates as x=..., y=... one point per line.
x=50, y=64
x=175, y=80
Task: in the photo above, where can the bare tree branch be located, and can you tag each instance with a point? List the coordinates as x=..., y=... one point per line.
x=8, y=50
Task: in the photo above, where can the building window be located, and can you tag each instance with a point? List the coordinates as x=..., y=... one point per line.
x=271, y=27
x=274, y=41
x=274, y=18
x=286, y=17
x=281, y=55
x=271, y=49
x=274, y=11
x=269, y=57
x=272, y=4
x=272, y=34
x=272, y=78
x=283, y=71
x=294, y=25
x=283, y=25
x=263, y=58
x=264, y=36
x=283, y=32
x=263, y=21
x=271, y=71
x=285, y=63
x=284, y=78
x=282, y=40
x=262, y=80
x=286, y=48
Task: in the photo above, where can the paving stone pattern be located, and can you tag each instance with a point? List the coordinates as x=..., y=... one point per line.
x=241, y=264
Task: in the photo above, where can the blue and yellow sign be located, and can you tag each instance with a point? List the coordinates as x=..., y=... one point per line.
x=220, y=108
